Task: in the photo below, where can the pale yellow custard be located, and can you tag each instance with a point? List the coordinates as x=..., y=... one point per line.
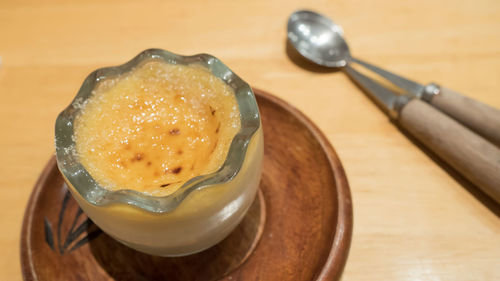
x=156, y=127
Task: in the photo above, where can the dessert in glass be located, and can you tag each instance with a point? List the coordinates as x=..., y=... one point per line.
x=163, y=153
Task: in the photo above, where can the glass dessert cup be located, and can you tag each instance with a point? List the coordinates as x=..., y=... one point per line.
x=204, y=210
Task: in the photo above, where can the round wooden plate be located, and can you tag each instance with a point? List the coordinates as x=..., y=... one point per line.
x=304, y=226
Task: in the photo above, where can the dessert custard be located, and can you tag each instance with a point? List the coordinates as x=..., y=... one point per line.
x=155, y=127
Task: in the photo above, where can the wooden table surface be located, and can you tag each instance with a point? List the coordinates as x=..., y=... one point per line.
x=414, y=219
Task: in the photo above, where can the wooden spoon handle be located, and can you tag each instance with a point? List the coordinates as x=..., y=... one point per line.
x=479, y=117
x=474, y=157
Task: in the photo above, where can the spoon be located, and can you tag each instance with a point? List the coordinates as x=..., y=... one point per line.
x=321, y=41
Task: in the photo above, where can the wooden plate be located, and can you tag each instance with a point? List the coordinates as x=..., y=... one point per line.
x=304, y=225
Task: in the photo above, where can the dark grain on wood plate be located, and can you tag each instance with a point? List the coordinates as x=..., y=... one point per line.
x=306, y=234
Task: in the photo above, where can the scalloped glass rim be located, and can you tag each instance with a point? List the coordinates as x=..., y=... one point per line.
x=88, y=188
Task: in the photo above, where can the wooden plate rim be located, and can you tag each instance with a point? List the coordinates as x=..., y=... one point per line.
x=337, y=257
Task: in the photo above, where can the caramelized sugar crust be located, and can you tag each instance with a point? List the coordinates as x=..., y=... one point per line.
x=156, y=127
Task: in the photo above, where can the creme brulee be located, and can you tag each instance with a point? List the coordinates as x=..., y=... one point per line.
x=156, y=127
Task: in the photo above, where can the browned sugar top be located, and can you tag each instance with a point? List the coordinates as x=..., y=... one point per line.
x=154, y=128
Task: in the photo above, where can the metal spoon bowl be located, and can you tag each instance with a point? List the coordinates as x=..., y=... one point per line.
x=318, y=39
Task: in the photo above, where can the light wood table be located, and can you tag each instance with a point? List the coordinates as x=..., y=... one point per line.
x=413, y=219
